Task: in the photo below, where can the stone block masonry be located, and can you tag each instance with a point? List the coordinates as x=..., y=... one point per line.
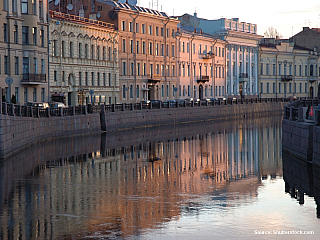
x=17, y=133
x=316, y=145
x=297, y=138
x=171, y=116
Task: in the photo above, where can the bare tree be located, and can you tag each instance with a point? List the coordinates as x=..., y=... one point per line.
x=272, y=32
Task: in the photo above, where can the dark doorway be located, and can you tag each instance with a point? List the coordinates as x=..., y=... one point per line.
x=200, y=91
x=311, y=92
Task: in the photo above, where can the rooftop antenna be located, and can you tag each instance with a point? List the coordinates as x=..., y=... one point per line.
x=69, y=7
x=92, y=6
x=155, y=4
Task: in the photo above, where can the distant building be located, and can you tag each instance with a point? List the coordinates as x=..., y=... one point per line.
x=24, y=51
x=308, y=38
x=287, y=70
x=241, y=52
x=83, y=60
x=201, y=65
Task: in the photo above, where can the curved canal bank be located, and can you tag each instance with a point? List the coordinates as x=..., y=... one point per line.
x=301, y=131
x=18, y=132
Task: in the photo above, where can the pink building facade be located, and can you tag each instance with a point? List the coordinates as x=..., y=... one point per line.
x=202, y=66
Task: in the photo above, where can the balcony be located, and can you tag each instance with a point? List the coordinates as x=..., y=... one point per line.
x=33, y=79
x=243, y=77
x=154, y=78
x=286, y=78
x=312, y=79
x=202, y=79
x=206, y=55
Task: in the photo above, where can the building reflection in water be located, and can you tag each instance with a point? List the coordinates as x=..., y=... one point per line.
x=301, y=177
x=124, y=190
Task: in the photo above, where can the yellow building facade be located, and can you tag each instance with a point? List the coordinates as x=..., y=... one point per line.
x=287, y=70
x=24, y=51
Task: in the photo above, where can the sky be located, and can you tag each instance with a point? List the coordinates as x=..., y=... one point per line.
x=288, y=17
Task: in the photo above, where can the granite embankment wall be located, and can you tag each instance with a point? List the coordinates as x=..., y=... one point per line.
x=18, y=133
x=156, y=117
x=301, y=137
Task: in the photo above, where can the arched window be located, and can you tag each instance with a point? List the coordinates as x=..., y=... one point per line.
x=311, y=70
x=131, y=91
x=124, y=91
x=162, y=91
x=138, y=92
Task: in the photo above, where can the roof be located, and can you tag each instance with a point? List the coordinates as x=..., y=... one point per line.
x=126, y=6
x=78, y=19
x=197, y=31
x=295, y=47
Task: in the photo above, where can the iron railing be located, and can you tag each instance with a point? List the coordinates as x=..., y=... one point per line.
x=27, y=111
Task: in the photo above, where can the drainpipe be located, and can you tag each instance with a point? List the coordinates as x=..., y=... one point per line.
x=277, y=74
x=259, y=76
x=213, y=68
x=294, y=74
x=113, y=66
x=48, y=36
x=134, y=56
x=9, y=60
x=191, y=65
x=308, y=77
x=177, y=56
x=165, y=53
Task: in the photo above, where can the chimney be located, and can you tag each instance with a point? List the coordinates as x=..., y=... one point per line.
x=305, y=28
x=195, y=14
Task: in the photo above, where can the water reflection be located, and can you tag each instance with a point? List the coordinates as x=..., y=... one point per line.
x=301, y=178
x=124, y=184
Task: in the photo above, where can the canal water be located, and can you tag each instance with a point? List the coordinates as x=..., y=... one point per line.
x=226, y=180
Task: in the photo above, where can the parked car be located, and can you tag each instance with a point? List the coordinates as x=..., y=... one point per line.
x=156, y=103
x=145, y=102
x=181, y=102
x=209, y=99
x=194, y=99
x=57, y=105
x=37, y=104
x=171, y=103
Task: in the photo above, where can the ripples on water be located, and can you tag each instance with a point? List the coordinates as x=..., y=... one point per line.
x=201, y=181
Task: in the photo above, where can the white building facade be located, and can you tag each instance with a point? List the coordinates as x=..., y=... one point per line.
x=241, y=52
x=83, y=60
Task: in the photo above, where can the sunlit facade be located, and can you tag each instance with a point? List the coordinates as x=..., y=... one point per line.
x=201, y=65
x=83, y=60
x=241, y=51
x=24, y=51
x=287, y=70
